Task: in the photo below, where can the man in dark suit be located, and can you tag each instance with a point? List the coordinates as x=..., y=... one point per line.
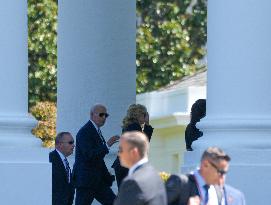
x=143, y=185
x=62, y=187
x=198, y=186
x=91, y=176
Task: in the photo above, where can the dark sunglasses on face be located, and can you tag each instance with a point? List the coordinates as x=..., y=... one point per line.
x=221, y=172
x=69, y=142
x=102, y=114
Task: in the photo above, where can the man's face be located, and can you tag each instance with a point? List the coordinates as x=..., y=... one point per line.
x=66, y=145
x=99, y=116
x=215, y=171
x=141, y=118
x=126, y=155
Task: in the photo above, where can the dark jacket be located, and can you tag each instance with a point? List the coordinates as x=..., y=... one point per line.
x=179, y=188
x=143, y=187
x=90, y=170
x=120, y=171
x=62, y=191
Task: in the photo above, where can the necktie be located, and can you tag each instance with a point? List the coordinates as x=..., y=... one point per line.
x=206, y=198
x=101, y=136
x=68, y=169
x=219, y=193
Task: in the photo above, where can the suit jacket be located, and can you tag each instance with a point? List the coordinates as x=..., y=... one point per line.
x=90, y=170
x=62, y=190
x=143, y=187
x=180, y=188
x=231, y=195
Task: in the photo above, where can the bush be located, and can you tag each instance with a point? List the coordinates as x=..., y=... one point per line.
x=42, y=50
x=45, y=113
x=164, y=176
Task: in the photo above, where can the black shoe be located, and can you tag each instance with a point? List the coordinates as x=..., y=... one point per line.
x=189, y=149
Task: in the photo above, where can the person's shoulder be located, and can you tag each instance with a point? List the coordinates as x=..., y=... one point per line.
x=129, y=180
x=145, y=170
x=87, y=125
x=180, y=180
x=86, y=128
x=232, y=190
x=53, y=155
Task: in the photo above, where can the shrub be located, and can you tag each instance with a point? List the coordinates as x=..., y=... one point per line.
x=164, y=176
x=45, y=113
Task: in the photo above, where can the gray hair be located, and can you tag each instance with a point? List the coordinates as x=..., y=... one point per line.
x=60, y=136
x=95, y=106
x=137, y=140
x=215, y=154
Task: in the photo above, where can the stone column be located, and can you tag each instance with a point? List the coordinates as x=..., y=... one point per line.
x=25, y=172
x=238, y=93
x=96, y=62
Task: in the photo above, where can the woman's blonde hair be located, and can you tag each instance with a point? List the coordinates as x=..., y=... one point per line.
x=133, y=113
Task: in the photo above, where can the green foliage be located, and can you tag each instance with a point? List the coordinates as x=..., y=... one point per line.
x=45, y=113
x=42, y=50
x=170, y=40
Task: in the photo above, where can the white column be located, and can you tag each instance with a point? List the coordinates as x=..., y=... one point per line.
x=25, y=172
x=96, y=62
x=238, y=93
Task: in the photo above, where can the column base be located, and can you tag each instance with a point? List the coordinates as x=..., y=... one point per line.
x=252, y=132
x=15, y=131
x=26, y=176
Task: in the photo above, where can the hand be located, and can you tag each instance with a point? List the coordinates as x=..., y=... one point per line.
x=112, y=140
x=147, y=120
x=194, y=200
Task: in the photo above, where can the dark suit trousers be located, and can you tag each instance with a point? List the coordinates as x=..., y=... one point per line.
x=85, y=196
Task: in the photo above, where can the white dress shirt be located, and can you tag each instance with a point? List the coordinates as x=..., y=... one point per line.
x=63, y=161
x=211, y=192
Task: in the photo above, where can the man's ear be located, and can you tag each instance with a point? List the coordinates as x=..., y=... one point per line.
x=135, y=151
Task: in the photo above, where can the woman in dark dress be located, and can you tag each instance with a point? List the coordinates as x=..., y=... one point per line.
x=136, y=119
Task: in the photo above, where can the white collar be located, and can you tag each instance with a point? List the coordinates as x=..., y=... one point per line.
x=139, y=163
x=211, y=192
x=201, y=182
x=96, y=127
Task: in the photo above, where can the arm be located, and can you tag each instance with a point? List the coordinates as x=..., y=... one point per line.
x=173, y=188
x=148, y=130
x=129, y=194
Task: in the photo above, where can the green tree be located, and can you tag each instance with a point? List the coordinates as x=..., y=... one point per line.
x=171, y=38
x=42, y=50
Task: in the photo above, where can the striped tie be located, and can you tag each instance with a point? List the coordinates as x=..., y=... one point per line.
x=68, y=169
x=101, y=136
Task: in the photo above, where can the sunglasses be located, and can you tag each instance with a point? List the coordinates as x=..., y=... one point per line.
x=102, y=114
x=69, y=142
x=221, y=172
